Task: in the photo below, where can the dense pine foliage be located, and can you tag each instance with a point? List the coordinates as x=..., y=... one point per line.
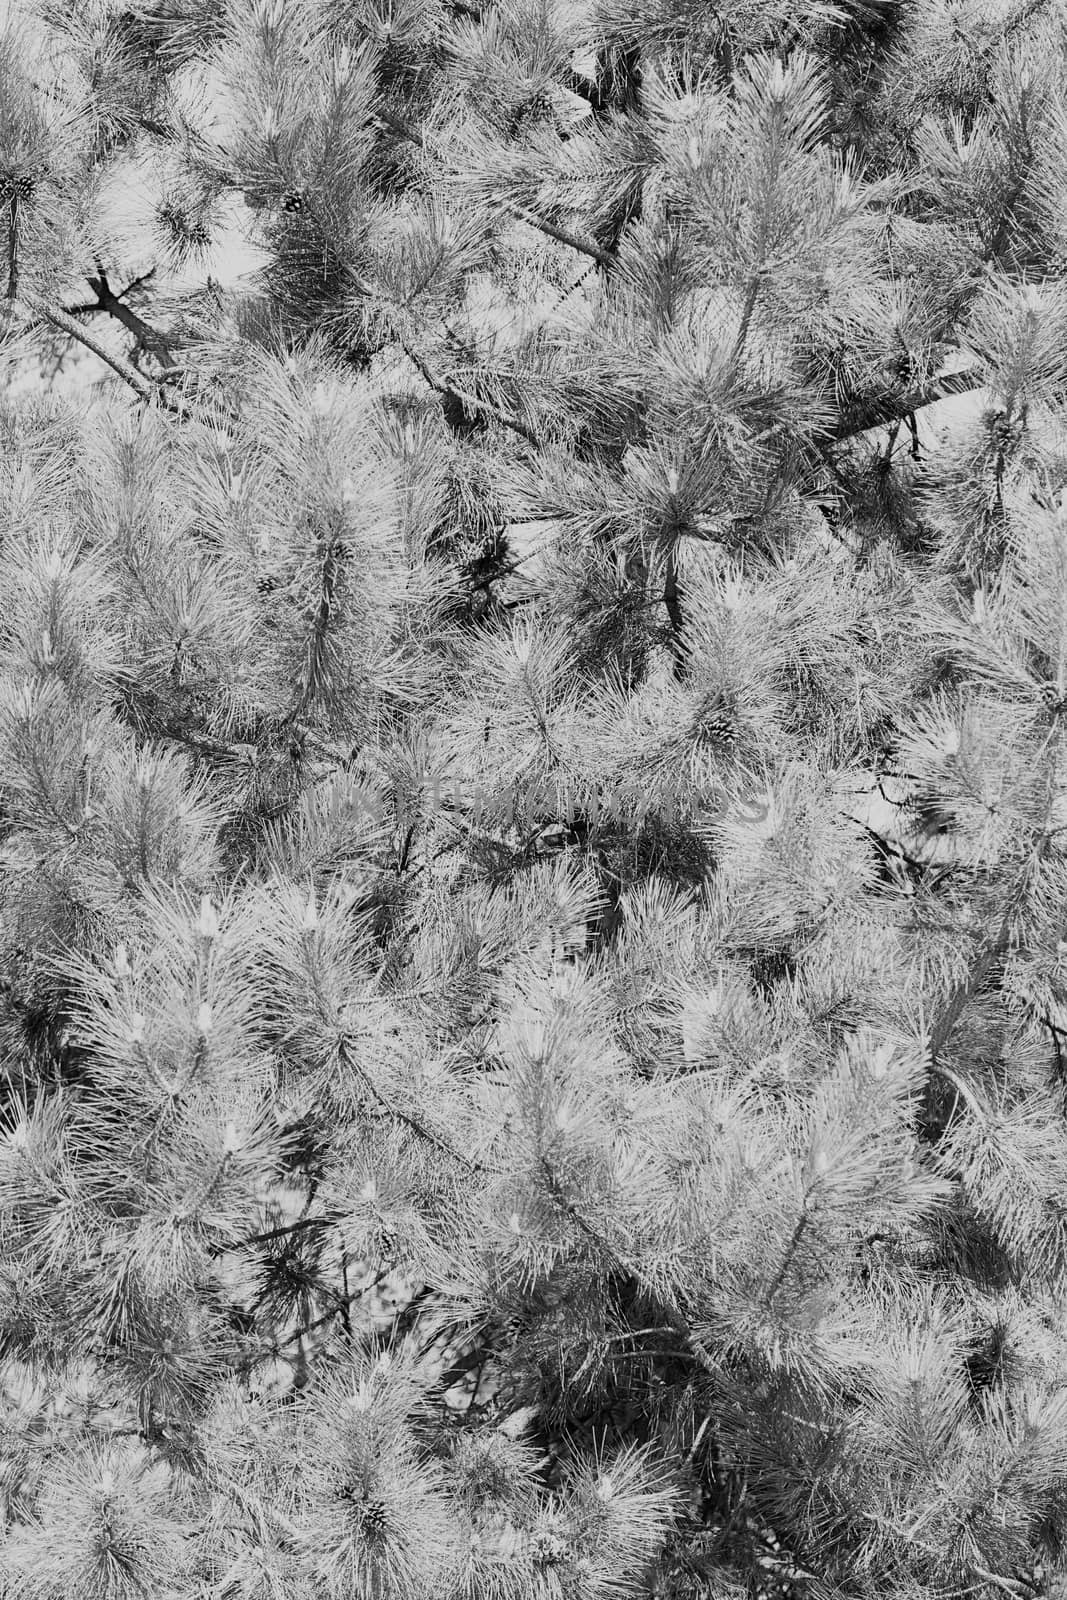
x=533, y=800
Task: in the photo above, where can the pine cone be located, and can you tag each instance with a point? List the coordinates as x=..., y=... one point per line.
x=17, y=186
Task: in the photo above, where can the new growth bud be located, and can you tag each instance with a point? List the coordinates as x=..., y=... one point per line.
x=208, y=923
x=342, y=67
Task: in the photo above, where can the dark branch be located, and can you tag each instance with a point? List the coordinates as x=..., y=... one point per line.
x=148, y=338
x=673, y=603
x=855, y=420
x=128, y=373
x=89, y=307
x=585, y=247
x=302, y=1226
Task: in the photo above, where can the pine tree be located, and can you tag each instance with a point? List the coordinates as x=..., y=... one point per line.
x=534, y=970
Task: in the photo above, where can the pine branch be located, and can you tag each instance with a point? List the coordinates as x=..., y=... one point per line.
x=1012, y=1586
x=858, y=419
x=339, y=1305
x=142, y=386
x=585, y=247
x=969, y=986
x=409, y=1118
x=790, y=1254
x=670, y=1313
x=317, y=642
x=463, y=398
x=673, y=603
x=725, y=43
x=752, y=291
x=987, y=959
x=13, y=248
x=302, y=1226
x=1058, y=1036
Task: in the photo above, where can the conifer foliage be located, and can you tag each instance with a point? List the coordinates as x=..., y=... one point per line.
x=533, y=949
